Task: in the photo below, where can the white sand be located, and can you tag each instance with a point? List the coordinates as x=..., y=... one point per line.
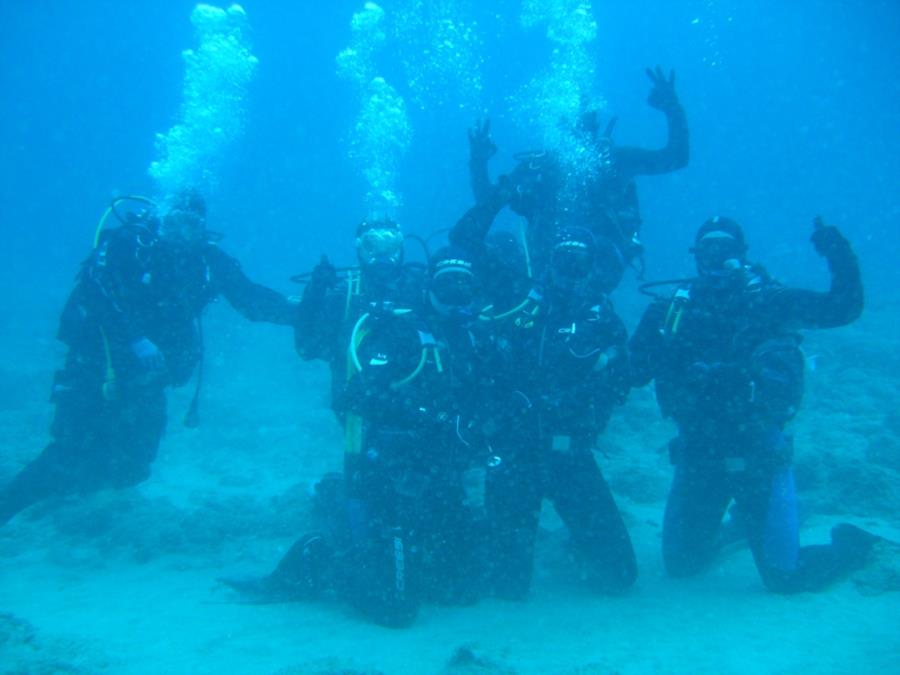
x=131, y=587
x=158, y=617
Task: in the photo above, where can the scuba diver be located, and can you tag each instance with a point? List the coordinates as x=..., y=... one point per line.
x=131, y=325
x=404, y=523
x=558, y=365
x=565, y=359
x=725, y=355
x=330, y=306
x=554, y=363
x=604, y=200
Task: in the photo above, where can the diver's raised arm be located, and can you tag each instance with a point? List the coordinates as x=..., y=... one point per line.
x=842, y=303
x=481, y=149
x=676, y=153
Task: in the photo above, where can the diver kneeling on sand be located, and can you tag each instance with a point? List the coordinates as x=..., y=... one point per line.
x=399, y=526
x=554, y=365
x=132, y=328
x=560, y=363
x=725, y=355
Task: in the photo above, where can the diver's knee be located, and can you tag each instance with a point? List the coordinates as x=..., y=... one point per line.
x=395, y=616
x=130, y=475
x=629, y=576
x=781, y=582
x=679, y=564
x=619, y=582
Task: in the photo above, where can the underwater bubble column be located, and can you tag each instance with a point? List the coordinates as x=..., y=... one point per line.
x=212, y=115
x=381, y=134
x=441, y=52
x=552, y=102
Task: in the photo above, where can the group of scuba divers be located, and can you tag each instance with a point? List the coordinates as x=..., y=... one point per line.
x=473, y=388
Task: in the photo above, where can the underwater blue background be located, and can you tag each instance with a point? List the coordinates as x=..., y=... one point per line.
x=794, y=111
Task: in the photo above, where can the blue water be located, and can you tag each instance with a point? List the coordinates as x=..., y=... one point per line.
x=794, y=111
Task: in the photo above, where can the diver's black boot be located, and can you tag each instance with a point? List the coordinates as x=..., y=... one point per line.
x=824, y=564
x=20, y=494
x=853, y=545
x=302, y=574
x=253, y=587
x=307, y=566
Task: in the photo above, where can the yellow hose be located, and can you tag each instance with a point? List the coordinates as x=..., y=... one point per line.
x=101, y=224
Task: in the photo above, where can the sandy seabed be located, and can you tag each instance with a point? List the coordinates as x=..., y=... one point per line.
x=125, y=582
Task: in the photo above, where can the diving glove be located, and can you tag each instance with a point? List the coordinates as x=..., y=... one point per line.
x=662, y=96
x=827, y=239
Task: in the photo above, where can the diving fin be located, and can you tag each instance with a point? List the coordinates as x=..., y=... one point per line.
x=302, y=574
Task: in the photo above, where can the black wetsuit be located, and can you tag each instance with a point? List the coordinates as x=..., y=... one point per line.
x=728, y=369
x=326, y=315
x=499, y=258
x=552, y=373
x=404, y=530
x=605, y=202
x=110, y=410
x=559, y=370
